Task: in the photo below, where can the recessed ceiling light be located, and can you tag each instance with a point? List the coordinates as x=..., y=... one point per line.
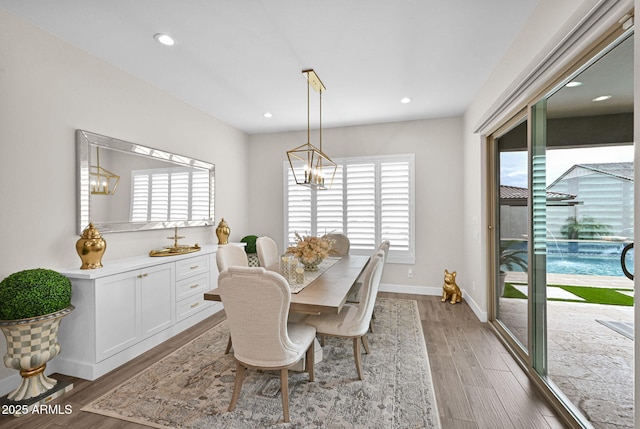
x=165, y=39
x=602, y=98
x=573, y=84
x=405, y=100
x=267, y=115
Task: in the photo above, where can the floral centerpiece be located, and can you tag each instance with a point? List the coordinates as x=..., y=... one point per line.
x=311, y=250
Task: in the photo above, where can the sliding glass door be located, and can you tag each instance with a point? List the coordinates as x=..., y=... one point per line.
x=511, y=228
x=589, y=220
x=563, y=214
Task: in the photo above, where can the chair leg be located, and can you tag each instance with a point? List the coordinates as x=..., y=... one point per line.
x=365, y=343
x=371, y=326
x=311, y=360
x=237, y=386
x=322, y=340
x=226, y=352
x=357, y=356
x=284, y=389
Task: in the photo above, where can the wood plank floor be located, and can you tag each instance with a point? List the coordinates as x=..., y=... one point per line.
x=477, y=383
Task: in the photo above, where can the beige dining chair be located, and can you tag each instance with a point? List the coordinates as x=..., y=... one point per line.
x=257, y=302
x=267, y=250
x=230, y=256
x=341, y=244
x=355, y=296
x=384, y=246
x=353, y=320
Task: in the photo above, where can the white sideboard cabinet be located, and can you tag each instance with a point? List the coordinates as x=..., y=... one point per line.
x=130, y=306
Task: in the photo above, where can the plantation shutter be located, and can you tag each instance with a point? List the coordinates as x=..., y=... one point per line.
x=361, y=205
x=200, y=195
x=330, y=207
x=179, y=196
x=370, y=200
x=539, y=194
x=395, y=204
x=140, y=197
x=298, y=200
x=159, y=197
x=164, y=194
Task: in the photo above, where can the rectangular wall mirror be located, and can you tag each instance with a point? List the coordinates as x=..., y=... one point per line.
x=123, y=186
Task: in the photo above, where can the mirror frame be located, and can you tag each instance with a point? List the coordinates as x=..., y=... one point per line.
x=85, y=140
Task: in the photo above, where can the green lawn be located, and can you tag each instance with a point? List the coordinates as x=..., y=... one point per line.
x=591, y=295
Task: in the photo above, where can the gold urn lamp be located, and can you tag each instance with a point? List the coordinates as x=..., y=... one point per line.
x=222, y=232
x=90, y=248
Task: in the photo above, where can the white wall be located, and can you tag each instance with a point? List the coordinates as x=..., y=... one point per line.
x=437, y=146
x=48, y=89
x=549, y=24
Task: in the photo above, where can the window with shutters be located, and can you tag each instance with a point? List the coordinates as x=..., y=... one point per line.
x=371, y=200
x=169, y=194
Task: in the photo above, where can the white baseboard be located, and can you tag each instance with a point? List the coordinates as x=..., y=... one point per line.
x=436, y=291
x=414, y=290
x=480, y=314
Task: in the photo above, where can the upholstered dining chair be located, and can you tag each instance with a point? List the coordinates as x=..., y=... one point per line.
x=384, y=246
x=341, y=243
x=355, y=296
x=257, y=302
x=267, y=250
x=230, y=256
x=353, y=320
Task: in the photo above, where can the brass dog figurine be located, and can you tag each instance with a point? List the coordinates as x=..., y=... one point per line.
x=450, y=289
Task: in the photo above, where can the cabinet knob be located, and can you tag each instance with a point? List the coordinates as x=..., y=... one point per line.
x=195, y=305
x=195, y=286
x=193, y=267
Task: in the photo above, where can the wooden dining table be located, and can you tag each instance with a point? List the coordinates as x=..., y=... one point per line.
x=328, y=292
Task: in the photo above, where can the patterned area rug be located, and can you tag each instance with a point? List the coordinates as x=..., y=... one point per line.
x=191, y=388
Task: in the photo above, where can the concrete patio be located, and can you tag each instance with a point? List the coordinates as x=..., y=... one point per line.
x=591, y=363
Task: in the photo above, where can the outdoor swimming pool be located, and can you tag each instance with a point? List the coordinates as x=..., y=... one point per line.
x=587, y=265
x=592, y=258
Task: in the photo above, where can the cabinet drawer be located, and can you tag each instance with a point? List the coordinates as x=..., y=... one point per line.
x=191, y=306
x=191, y=267
x=192, y=286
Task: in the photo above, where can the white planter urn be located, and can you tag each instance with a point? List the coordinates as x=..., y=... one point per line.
x=503, y=277
x=31, y=343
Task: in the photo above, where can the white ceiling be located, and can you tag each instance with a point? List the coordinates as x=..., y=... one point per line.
x=237, y=59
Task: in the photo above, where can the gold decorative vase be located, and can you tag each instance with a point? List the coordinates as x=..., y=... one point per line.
x=90, y=248
x=223, y=231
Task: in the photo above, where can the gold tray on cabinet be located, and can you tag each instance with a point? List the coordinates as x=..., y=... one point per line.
x=175, y=250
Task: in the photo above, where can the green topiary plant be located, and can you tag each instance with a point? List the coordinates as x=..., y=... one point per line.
x=32, y=293
x=251, y=243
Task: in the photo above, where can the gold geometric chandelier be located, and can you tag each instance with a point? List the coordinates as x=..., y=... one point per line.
x=310, y=166
x=101, y=180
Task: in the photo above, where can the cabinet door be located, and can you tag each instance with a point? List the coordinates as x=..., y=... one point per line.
x=157, y=298
x=117, y=302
